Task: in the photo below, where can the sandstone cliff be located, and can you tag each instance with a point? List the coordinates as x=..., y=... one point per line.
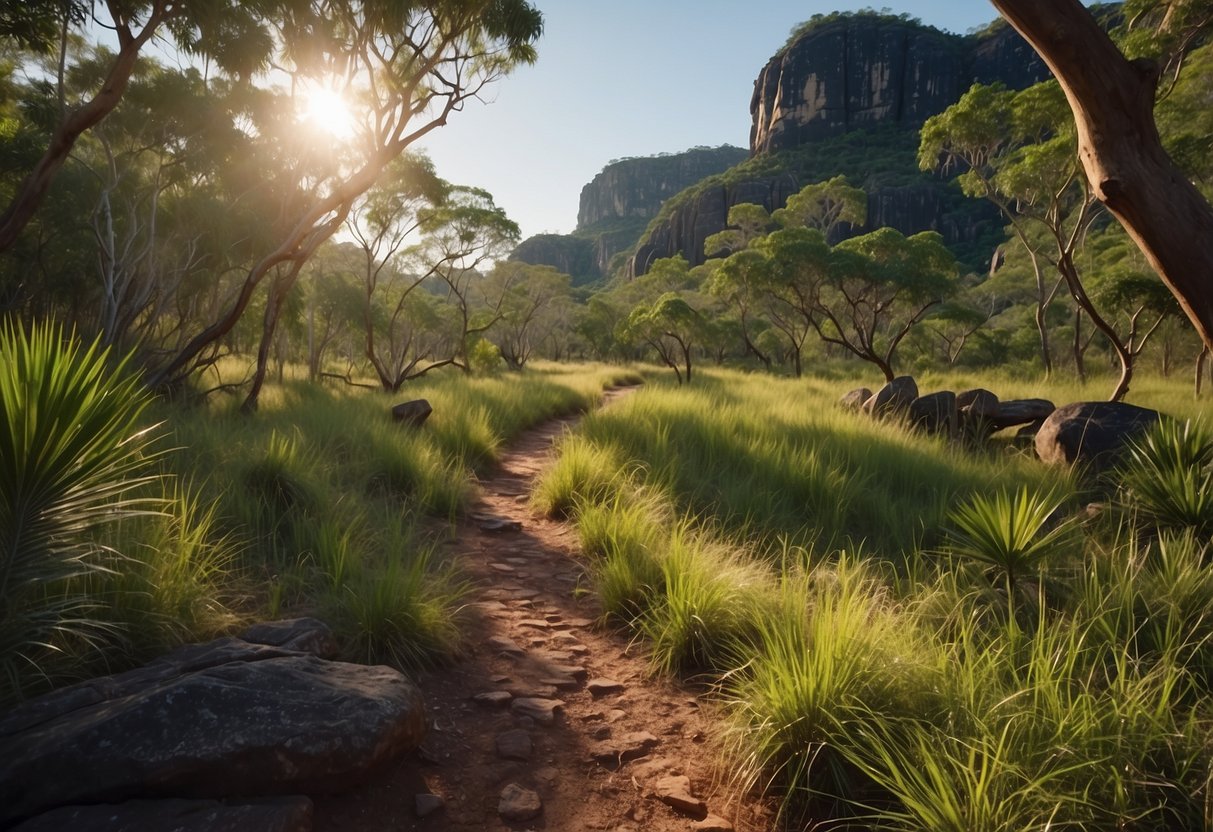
x=617, y=205
x=870, y=77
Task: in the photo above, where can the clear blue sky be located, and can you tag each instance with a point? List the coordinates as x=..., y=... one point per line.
x=629, y=78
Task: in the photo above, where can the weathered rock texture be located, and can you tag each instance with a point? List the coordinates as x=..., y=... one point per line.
x=1092, y=434
x=856, y=72
x=869, y=70
x=215, y=720
x=275, y=814
x=617, y=204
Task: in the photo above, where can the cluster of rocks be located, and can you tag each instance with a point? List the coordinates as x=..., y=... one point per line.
x=229, y=735
x=1093, y=434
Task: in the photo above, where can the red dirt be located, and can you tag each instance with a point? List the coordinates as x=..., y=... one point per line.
x=526, y=590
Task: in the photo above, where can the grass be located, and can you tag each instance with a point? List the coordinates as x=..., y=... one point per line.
x=319, y=504
x=1057, y=675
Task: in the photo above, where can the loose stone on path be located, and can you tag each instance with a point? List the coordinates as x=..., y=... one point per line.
x=518, y=804
x=542, y=711
x=514, y=745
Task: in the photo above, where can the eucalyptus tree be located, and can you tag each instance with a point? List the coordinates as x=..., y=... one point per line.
x=879, y=286
x=672, y=327
x=408, y=68
x=462, y=238
x=535, y=303
x=384, y=223
x=828, y=206
x=237, y=36
x=1112, y=98
x=798, y=263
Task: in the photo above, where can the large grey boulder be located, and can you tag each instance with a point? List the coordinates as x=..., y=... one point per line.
x=215, y=720
x=272, y=814
x=1094, y=434
x=935, y=412
x=894, y=398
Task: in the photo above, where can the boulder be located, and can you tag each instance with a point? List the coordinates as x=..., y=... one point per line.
x=307, y=635
x=216, y=720
x=935, y=412
x=1091, y=433
x=1021, y=412
x=412, y=413
x=855, y=399
x=275, y=814
x=977, y=403
x=894, y=398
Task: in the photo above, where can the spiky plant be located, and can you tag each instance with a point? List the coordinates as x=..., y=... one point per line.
x=1168, y=478
x=1010, y=534
x=72, y=455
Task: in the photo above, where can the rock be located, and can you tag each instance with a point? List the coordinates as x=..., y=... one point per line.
x=894, y=398
x=498, y=525
x=502, y=644
x=222, y=719
x=855, y=399
x=712, y=823
x=518, y=804
x=274, y=814
x=977, y=403
x=560, y=682
x=514, y=745
x=307, y=635
x=935, y=412
x=629, y=747
x=602, y=687
x=1021, y=412
x=493, y=698
x=1093, y=434
x=427, y=804
x=412, y=413
x=675, y=792
x=541, y=710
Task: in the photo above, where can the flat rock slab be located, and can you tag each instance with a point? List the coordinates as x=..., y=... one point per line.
x=712, y=823
x=541, y=710
x=224, y=719
x=675, y=791
x=631, y=746
x=276, y=814
x=515, y=745
x=603, y=687
x=518, y=804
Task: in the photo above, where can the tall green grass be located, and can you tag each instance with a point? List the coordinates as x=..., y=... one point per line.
x=907, y=635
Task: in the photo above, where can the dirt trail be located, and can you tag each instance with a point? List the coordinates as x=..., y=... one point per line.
x=546, y=706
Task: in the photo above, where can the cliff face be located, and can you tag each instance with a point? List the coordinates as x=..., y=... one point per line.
x=844, y=75
x=865, y=70
x=637, y=187
x=617, y=205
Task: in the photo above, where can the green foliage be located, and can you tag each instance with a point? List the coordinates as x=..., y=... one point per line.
x=1168, y=477
x=73, y=455
x=1011, y=533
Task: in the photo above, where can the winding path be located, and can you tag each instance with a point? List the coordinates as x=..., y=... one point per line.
x=548, y=721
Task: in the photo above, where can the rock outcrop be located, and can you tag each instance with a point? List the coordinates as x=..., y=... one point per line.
x=848, y=73
x=224, y=719
x=617, y=204
x=866, y=70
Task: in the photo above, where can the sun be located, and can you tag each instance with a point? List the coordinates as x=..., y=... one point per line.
x=327, y=111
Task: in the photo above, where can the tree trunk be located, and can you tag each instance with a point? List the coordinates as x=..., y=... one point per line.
x=35, y=186
x=1079, y=348
x=1112, y=99
x=1201, y=360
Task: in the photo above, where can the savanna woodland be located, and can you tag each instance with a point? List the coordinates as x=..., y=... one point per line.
x=860, y=479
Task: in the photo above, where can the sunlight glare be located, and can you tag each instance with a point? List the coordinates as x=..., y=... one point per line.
x=327, y=111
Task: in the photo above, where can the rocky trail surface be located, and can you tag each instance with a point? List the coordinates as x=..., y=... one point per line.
x=549, y=720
